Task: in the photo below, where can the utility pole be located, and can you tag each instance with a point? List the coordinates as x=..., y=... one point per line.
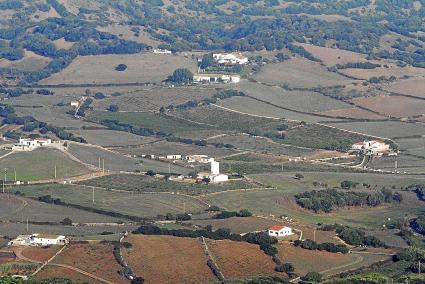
x=27, y=226
x=55, y=172
x=93, y=196
x=314, y=234
x=99, y=163
x=395, y=164
x=103, y=166
x=169, y=168
x=14, y=170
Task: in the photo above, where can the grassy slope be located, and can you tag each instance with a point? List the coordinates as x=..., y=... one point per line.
x=40, y=165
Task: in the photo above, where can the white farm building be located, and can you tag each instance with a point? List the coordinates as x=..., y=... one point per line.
x=31, y=144
x=372, y=147
x=279, y=231
x=39, y=240
x=230, y=59
x=216, y=78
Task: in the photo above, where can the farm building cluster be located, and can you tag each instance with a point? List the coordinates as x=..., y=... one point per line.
x=373, y=147
x=39, y=240
x=28, y=144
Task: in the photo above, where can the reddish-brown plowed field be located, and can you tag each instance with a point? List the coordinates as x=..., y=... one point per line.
x=307, y=260
x=94, y=257
x=40, y=254
x=393, y=105
x=52, y=271
x=167, y=259
x=239, y=260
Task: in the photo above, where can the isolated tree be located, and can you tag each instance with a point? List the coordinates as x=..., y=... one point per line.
x=121, y=67
x=285, y=267
x=313, y=277
x=113, y=108
x=181, y=76
x=66, y=222
x=150, y=173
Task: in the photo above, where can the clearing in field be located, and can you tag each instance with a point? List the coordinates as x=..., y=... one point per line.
x=300, y=73
x=111, y=138
x=240, y=260
x=333, y=56
x=40, y=165
x=100, y=69
x=166, y=259
x=40, y=254
x=94, y=257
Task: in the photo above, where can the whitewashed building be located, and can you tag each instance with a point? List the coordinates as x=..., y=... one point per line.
x=202, y=159
x=28, y=144
x=205, y=78
x=214, y=175
x=230, y=58
x=279, y=231
x=39, y=240
x=372, y=147
x=161, y=51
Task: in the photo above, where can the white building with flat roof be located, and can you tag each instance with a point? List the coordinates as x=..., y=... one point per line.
x=216, y=78
x=373, y=147
x=230, y=58
x=28, y=144
x=214, y=175
x=39, y=240
x=161, y=51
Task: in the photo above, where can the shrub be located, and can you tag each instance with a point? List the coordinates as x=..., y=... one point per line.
x=121, y=67
x=312, y=277
x=113, y=108
x=285, y=267
x=66, y=222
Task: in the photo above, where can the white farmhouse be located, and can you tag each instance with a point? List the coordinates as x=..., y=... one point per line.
x=31, y=144
x=75, y=104
x=230, y=59
x=39, y=240
x=372, y=147
x=279, y=231
x=202, y=159
x=214, y=175
x=216, y=78
x=161, y=51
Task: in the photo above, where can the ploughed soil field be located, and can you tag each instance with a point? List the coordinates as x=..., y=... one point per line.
x=166, y=259
x=93, y=257
x=239, y=260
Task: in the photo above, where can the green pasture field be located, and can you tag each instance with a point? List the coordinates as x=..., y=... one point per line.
x=149, y=120
x=118, y=162
x=304, y=101
x=281, y=202
x=386, y=129
x=130, y=203
x=405, y=163
x=253, y=107
x=40, y=165
x=142, y=183
x=227, y=120
x=18, y=209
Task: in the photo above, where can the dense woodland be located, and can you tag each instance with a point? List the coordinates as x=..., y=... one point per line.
x=238, y=25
